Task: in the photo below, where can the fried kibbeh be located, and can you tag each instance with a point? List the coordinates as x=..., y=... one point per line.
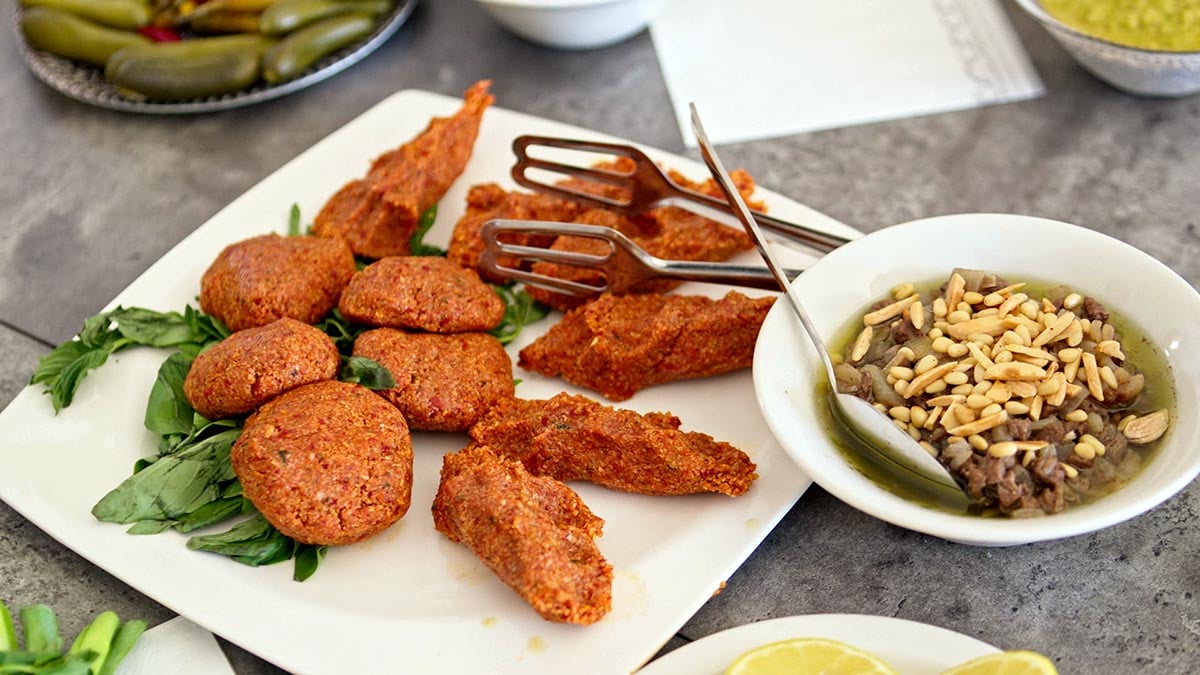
x=488, y=201
x=378, y=214
x=443, y=382
x=253, y=366
x=575, y=438
x=328, y=463
x=618, y=345
x=422, y=292
x=533, y=532
x=269, y=277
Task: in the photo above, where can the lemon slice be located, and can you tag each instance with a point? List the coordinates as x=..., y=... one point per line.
x=808, y=656
x=1006, y=663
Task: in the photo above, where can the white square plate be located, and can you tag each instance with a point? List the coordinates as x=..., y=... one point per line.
x=408, y=600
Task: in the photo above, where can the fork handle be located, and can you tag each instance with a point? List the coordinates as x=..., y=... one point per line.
x=747, y=276
x=715, y=209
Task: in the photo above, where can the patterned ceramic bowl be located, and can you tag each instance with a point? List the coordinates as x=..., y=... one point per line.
x=1144, y=72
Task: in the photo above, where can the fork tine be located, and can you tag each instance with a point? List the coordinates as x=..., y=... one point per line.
x=586, y=198
x=522, y=143
x=593, y=174
x=539, y=254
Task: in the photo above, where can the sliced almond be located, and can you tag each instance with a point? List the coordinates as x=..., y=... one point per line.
x=954, y=290
x=918, y=384
x=861, y=344
x=1033, y=352
x=1015, y=370
x=1147, y=428
x=988, y=325
x=980, y=425
x=1055, y=329
x=1095, y=387
x=890, y=311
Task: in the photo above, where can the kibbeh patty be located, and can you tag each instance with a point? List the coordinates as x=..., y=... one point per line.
x=261, y=279
x=444, y=382
x=253, y=366
x=533, y=532
x=421, y=292
x=328, y=463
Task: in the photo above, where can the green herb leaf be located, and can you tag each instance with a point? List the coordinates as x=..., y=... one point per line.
x=168, y=411
x=205, y=329
x=252, y=542
x=342, y=331
x=416, y=243
x=63, y=387
x=151, y=527
x=150, y=328
x=212, y=513
x=308, y=559
x=173, y=486
x=8, y=633
x=127, y=635
x=294, y=221
x=520, y=309
x=368, y=373
x=41, y=629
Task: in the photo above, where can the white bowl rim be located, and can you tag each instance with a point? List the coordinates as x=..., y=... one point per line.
x=883, y=504
x=1034, y=9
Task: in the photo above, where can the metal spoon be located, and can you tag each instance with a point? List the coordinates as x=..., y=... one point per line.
x=876, y=429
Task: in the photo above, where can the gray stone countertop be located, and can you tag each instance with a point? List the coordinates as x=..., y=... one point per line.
x=90, y=198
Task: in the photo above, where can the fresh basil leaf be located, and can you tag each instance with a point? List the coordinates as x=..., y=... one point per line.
x=151, y=526
x=211, y=513
x=205, y=329
x=51, y=365
x=308, y=559
x=368, y=373
x=41, y=629
x=294, y=221
x=174, y=485
x=62, y=389
x=168, y=410
x=252, y=542
x=416, y=243
x=150, y=328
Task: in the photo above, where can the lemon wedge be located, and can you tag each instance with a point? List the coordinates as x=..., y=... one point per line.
x=808, y=656
x=1006, y=663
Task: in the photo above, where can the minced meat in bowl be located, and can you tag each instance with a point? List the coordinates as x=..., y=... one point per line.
x=1029, y=398
x=1136, y=289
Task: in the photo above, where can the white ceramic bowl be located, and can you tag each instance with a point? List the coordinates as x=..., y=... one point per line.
x=1129, y=282
x=1145, y=72
x=573, y=24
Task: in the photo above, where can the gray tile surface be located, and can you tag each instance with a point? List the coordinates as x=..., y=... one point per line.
x=89, y=198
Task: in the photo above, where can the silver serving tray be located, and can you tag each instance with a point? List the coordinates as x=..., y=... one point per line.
x=86, y=83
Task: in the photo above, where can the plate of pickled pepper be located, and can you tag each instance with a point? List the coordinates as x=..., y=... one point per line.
x=188, y=56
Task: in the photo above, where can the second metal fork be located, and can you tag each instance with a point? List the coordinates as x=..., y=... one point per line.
x=624, y=264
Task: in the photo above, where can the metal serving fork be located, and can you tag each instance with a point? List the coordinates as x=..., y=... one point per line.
x=644, y=189
x=624, y=264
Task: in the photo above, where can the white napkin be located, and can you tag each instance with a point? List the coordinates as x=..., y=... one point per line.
x=763, y=68
x=177, y=647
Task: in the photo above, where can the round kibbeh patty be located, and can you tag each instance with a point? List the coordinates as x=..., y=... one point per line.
x=423, y=292
x=327, y=463
x=443, y=382
x=253, y=366
x=261, y=279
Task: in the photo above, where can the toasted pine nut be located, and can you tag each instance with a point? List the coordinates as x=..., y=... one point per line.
x=1002, y=449
x=955, y=378
x=1085, y=451
x=903, y=291
x=1070, y=354
x=1022, y=332
x=901, y=387
x=901, y=373
x=928, y=361
x=957, y=316
x=993, y=299
x=1107, y=376
x=914, y=433
x=1076, y=416
x=1029, y=308
x=880, y=407
x=937, y=387
x=861, y=344
x=1071, y=471
x=836, y=359
x=978, y=402
x=982, y=388
x=963, y=389
x=978, y=442
x=917, y=416
x=935, y=333
x=941, y=345
x=916, y=314
x=1003, y=356
x=1016, y=408
x=902, y=426
x=1107, y=333
x=1094, y=442
x=939, y=307
x=981, y=338
x=991, y=409
x=956, y=350
x=1072, y=301
x=1047, y=387
x=928, y=448
x=907, y=354
x=1125, y=422
x=900, y=412
x=972, y=297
